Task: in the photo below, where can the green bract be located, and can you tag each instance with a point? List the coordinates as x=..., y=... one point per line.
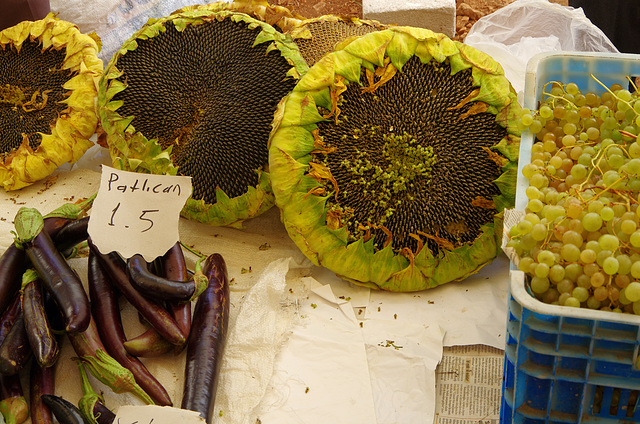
x=393, y=157
x=179, y=98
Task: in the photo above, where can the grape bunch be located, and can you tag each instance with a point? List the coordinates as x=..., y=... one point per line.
x=579, y=241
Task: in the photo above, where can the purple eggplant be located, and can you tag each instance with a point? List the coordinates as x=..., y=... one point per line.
x=172, y=266
x=154, y=313
x=15, y=351
x=42, y=382
x=13, y=263
x=207, y=340
x=163, y=288
x=56, y=274
x=64, y=411
x=41, y=338
x=106, y=312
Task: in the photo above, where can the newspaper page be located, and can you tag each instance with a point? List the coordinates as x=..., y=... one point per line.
x=469, y=385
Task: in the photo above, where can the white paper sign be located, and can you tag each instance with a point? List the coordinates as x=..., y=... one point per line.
x=148, y=414
x=137, y=213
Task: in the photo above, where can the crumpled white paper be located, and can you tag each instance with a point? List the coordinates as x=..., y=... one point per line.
x=515, y=33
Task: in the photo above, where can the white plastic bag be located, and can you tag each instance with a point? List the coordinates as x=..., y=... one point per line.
x=516, y=32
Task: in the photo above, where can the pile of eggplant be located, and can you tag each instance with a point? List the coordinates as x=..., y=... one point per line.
x=43, y=302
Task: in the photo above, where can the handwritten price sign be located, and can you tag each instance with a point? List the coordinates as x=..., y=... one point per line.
x=153, y=414
x=137, y=213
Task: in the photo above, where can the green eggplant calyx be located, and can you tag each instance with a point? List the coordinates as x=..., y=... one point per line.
x=109, y=371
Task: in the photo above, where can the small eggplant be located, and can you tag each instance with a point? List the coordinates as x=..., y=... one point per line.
x=162, y=288
x=207, y=339
x=9, y=316
x=64, y=411
x=15, y=351
x=56, y=274
x=13, y=263
x=172, y=266
x=155, y=314
x=42, y=382
x=71, y=234
x=106, y=311
x=41, y=338
x=13, y=404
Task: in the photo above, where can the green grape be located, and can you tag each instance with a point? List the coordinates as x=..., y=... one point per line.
x=610, y=265
x=572, y=88
x=595, y=206
x=572, y=302
x=584, y=281
x=636, y=310
x=606, y=214
x=593, y=133
x=556, y=273
x=628, y=226
x=569, y=129
x=602, y=255
x=524, y=227
x=609, y=242
x=632, y=291
x=579, y=171
x=565, y=286
x=536, y=126
x=541, y=270
x=573, y=271
x=593, y=303
x=538, y=180
x=532, y=218
x=616, y=161
x=592, y=221
x=597, y=279
x=539, y=232
x=533, y=193
x=572, y=237
x=525, y=264
x=593, y=245
x=634, y=239
x=539, y=284
x=624, y=262
x=634, y=150
x=572, y=116
x=535, y=205
x=600, y=293
x=545, y=112
x=587, y=256
x=590, y=269
x=580, y=293
x=635, y=270
x=529, y=170
x=570, y=253
x=546, y=257
x=526, y=118
x=550, y=296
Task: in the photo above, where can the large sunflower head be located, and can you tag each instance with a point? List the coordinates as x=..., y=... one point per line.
x=318, y=36
x=195, y=94
x=393, y=157
x=48, y=85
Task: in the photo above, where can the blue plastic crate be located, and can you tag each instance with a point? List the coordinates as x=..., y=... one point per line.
x=568, y=365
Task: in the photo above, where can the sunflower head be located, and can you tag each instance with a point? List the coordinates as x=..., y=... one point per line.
x=194, y=94
x=48, y=84
x=393, y=157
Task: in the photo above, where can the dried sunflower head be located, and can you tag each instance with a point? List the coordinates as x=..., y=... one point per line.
x=194, y=94
x=48, y=85
x=393, y=157
x=318, y=36
x=279, y=17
